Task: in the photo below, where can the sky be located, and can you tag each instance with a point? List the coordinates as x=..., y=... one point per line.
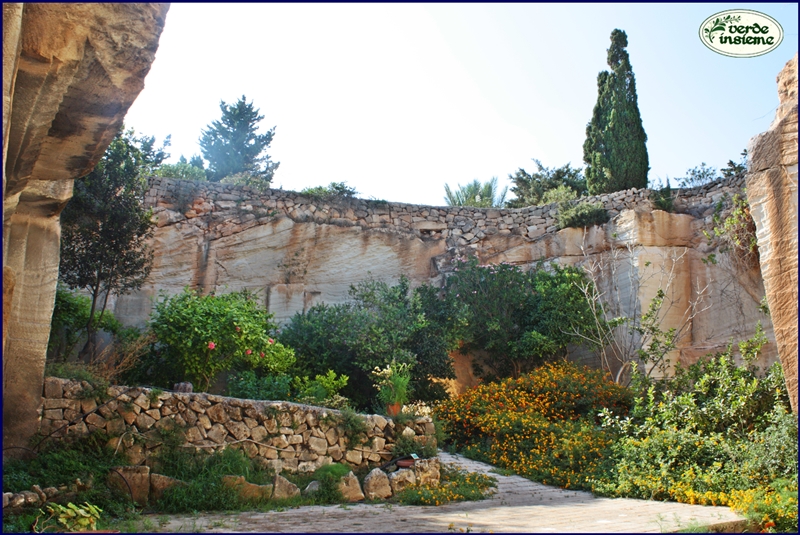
x=398, y=100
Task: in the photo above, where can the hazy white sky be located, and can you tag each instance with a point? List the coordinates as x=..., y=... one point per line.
x=399, y=99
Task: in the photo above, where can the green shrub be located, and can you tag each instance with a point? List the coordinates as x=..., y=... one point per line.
x=380, y=324
x=583, y=214
x=332, y=190
x=405, y=445
x=247, y=385
x=662, y=198
x=520, y=319
x=559, y=194
x=245, y=178
x=203, y=474
x=329, y=476
x=714, y=434
x=181, y=170
x=205, y=335
x=70, y=318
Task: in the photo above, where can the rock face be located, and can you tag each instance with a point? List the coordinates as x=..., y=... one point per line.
x=772, y=194
x=298, y=251
x=70, y=73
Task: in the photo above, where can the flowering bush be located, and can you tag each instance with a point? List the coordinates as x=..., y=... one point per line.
x=205, y=335
x=542, y=425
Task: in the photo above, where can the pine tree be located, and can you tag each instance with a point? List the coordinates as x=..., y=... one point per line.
x=615, y=150
x=231, y=146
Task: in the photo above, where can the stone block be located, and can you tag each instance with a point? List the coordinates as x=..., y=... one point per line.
x=53, y=388
x=318, y=445
x=217, y=433
x=239, y=430
x=353, y=457
x=350, y=488
x=133, y=481
x=248, y=491
x=427, y=472
x=283, y=489
x=401, y=479
x=376, y=485
x=218, y=414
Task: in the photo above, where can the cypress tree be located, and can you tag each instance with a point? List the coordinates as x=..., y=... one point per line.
x=615, y=150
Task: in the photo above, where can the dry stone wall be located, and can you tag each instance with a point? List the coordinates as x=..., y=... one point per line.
x=281, y=435
x=221, y=210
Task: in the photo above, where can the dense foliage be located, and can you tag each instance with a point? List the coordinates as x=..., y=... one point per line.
x=538, y=188
x=583, y=214
x=615, y=150
x=183, y=170
x=542, y=425
x=519, y=319
x=105, y=227
x=232, y=144
x=68, y=325
x=717, y=433
x=200, y=336
x=380, y=324
x=331, y=191
x=475, y=193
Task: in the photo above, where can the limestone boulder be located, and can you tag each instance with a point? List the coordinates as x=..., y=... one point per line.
x=248, y=491
x=401, y=479
x=283, y=488
x=133, y=481
x=376, y=485
x=351, y=488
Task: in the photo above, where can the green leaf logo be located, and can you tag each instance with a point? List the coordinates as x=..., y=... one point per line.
x=741, y=33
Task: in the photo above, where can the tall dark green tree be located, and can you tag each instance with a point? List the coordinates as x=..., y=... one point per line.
x=105, y=226
x=615, y=150
x=232, y=145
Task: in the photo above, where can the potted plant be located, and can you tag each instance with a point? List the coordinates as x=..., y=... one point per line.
x=393, y=385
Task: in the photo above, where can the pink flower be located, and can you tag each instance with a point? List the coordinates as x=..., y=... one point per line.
x=211, y=345
x=271, y=341
x=248, y=351
x=262, y=354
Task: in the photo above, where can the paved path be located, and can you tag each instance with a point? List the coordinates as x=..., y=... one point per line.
x=519, y=505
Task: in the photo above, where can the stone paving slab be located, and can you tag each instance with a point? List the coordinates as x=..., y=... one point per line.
x=519, y=505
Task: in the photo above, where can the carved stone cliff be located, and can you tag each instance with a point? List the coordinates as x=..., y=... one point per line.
x=297, y=251
x=70, y=73
x=772, y=194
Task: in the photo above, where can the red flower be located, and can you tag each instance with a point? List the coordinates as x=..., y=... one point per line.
x=238, y=329
x=271, y=341
x=248, y=351
x=211, y=345
x=262, y=354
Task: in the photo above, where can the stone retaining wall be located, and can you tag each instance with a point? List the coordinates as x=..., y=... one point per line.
x=281, y=435
x=222, y=210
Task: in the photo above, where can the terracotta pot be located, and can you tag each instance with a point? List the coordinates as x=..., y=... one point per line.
x=393, y=409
